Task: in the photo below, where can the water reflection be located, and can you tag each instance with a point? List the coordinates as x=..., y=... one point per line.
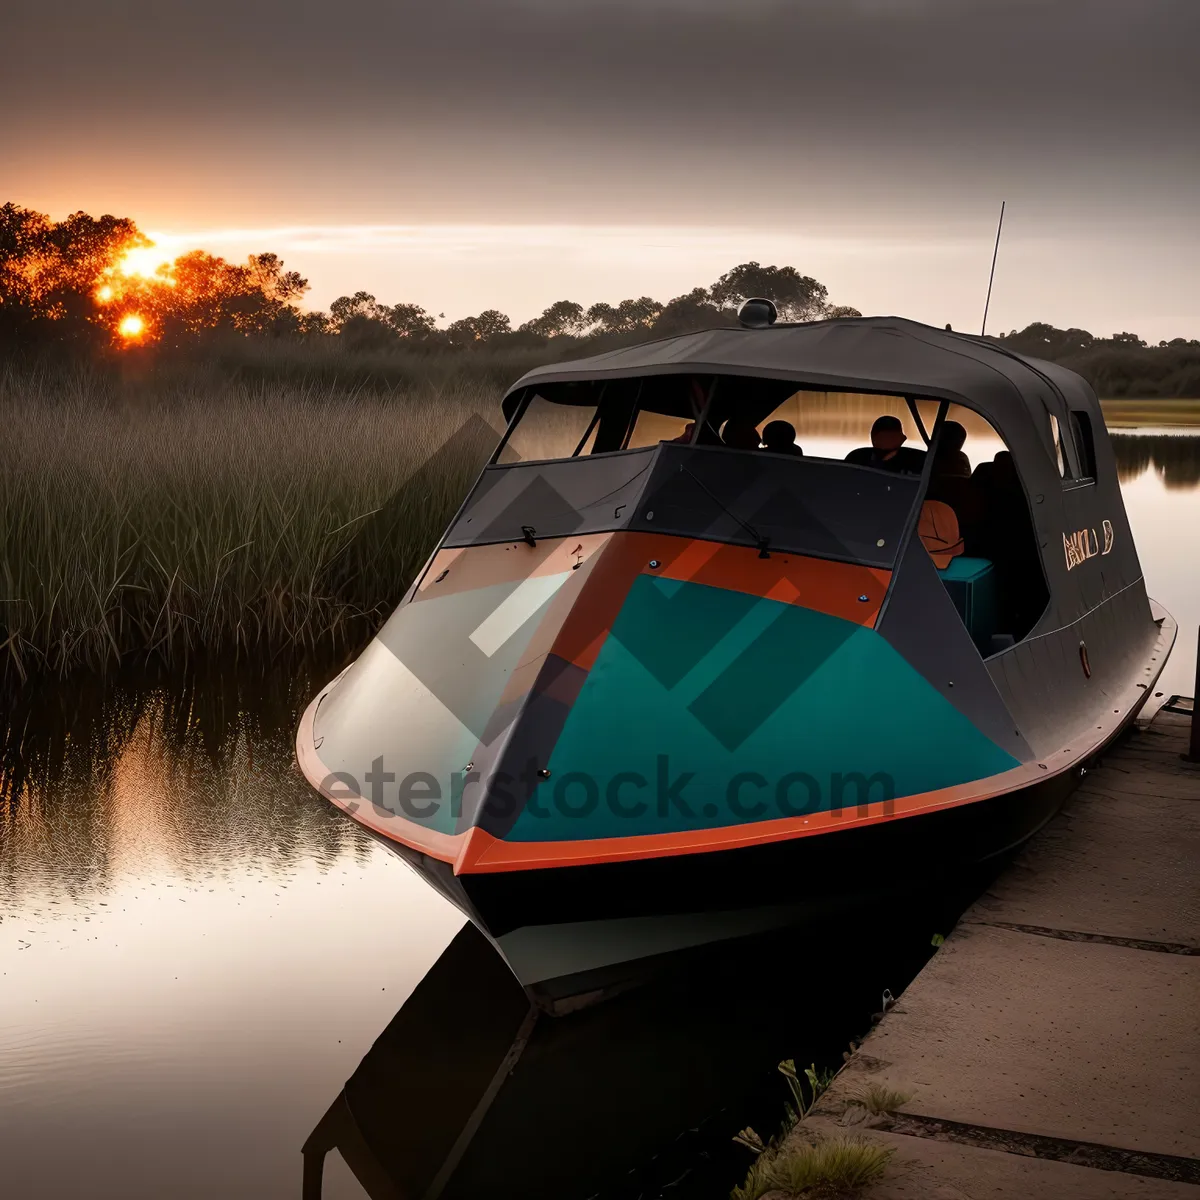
x=1174, y=457
x=99, y=774
x=471, y=1092
x=195, y=949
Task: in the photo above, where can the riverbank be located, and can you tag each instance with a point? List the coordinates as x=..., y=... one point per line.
x=1049, y=1047
x=1129, y=414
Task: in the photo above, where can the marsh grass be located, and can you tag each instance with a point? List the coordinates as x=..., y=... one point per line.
x=828, y=1168
x=201, y=510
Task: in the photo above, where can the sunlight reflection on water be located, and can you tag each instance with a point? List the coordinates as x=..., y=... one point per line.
x=196, y=950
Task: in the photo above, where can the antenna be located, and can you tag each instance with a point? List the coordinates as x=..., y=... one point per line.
x=988, y=302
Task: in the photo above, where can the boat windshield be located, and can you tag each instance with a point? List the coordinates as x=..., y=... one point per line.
x=762, y=463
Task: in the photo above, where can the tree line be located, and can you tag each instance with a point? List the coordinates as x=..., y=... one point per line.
x=363, y=322
x=67, y=284
x=1121, y=365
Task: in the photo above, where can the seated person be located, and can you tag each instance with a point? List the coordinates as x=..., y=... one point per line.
x=951, y=481
x=780, y=438
x=951, y=462
x=685, y=437
x=887, y=451
x=740, y=435
x=1005, y=534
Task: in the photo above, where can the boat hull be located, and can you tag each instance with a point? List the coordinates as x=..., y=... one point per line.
x=584, y=930
x=623, y=906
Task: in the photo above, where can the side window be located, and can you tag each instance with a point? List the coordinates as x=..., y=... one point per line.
x=1085, y=441
x=1056, y=433
x=979, y=532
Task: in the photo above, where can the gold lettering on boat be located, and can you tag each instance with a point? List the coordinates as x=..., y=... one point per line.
x=1083, y=544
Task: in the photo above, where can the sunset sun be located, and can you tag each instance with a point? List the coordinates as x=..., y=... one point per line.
x=132, y=327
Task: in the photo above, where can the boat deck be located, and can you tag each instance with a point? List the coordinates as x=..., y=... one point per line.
x=1050, y=1047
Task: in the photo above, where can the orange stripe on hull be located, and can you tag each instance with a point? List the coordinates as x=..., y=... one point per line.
x=829, y=587
x=481, y=853
x=816, y=583
x=478, y=852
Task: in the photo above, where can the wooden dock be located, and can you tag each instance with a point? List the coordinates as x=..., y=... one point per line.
x=1051, y=1047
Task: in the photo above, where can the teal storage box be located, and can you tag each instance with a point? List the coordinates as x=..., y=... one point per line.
x=971, y=583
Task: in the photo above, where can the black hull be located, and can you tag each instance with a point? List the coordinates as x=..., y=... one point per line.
x=820, y=878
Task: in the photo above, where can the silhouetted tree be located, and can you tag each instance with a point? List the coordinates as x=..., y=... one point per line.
x=199, y=292
x=409, y=320
x=361, y=304
x=797, y=297
x=471, y=331
x=49, y=272
x=691, y=311
x=562, y=318
x=629, y=316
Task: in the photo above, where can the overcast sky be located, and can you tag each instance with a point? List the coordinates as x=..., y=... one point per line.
x=478, y=153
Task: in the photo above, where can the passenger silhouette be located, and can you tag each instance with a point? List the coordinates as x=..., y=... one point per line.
x=740, y=435
x=1005, y=534
x=780, y=438
x=887, y=451
x=951, y=482
x=951, y=462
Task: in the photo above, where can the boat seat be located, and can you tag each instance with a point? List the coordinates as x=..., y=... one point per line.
x=938, y=530
x=972, y=585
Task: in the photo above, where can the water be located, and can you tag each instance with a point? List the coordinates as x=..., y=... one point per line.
x=196, y=952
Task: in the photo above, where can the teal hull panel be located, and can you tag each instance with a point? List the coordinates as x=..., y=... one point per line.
x=805, y=708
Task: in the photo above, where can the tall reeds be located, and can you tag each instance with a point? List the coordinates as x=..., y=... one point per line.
x=208, y=511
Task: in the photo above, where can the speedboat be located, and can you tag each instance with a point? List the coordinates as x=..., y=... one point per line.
x=659, y=687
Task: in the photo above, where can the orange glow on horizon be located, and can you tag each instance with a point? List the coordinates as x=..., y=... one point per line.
x=145, y=262
x=132, y=327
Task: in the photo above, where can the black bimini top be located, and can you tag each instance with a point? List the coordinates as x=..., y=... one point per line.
x=884, y=355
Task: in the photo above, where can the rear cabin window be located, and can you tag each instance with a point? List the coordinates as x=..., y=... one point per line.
x=1085, y=441
x=831, y=424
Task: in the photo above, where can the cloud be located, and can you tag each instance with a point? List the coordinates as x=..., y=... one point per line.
x=603, y=109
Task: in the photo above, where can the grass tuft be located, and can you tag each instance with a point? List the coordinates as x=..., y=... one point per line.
x=829, y=1168
x=879, y=1100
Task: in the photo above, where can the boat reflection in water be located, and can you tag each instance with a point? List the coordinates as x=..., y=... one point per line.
x=473, y=1091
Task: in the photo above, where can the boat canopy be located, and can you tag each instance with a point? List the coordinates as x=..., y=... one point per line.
x=882, y=355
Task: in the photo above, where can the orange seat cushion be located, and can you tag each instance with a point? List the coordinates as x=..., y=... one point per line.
x=939, y=533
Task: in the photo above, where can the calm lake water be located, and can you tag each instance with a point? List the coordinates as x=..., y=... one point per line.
x=196, y=951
